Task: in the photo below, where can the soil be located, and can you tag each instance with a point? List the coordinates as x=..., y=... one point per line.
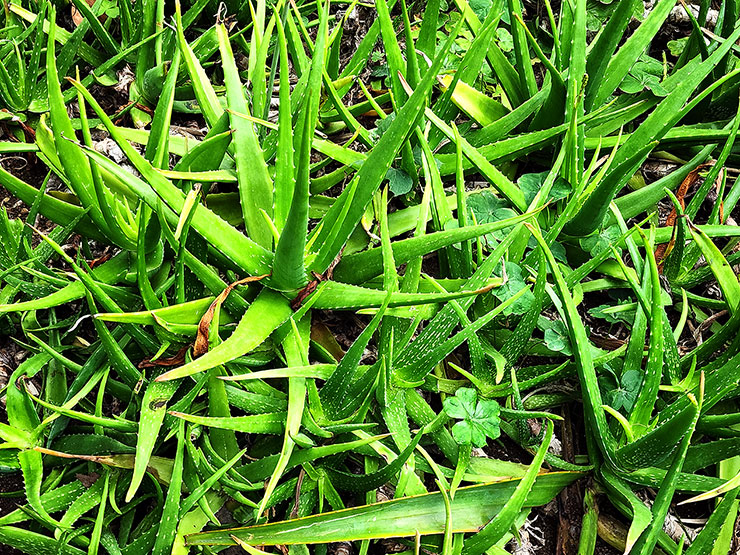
x=10, y=484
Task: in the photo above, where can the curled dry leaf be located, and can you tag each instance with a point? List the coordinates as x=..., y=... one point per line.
x=175, y=360
x=204, y=327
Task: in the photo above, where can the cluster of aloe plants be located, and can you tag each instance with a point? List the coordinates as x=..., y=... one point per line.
x=470, y=192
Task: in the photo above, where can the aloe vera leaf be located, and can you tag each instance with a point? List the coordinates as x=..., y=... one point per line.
x=634, y=357
x=620, y=64
x=13, y=97
x=361, y=54
x=181, y=146
x=263, y=468
x=700, y=195
x=704, y=542
x=648, y=393
x=32, y=467
x=336, y=230
x=207, y=100
x=333, y=393
x=207, y=484
x=727, y=469
x=23, y=421
x=516, y=344
x=365, y=482
x=100, y=32
x=483, y=109
x=493, y=175
x=398, y=518
x=168, y=524
x=268, y=311
x=22, y=415
x=620, y=493
x=99, y=293
x=602, y=50
x=145, y=58
x=574, y=109
x=676, y=135
x=296, y=352
x=307, y=102
x=649, y=537
x=428, y=33
x=503, y=150
x=33, y=542
x=721, y=269
x=702, y=455
x=77, y=168
x=391, y=399
x=431, y=357
x=56, y=210
x=466, y=259
x=89, y=499
x=284, y=166
x=255, y=184
x=289, y=271
x=521, y=51
x=53, y=500
x=209, y=153
x=396, y=64
x=443, y=323
x=188, y=312
x=505, y=72
x=420, y=412
x=235, y=245
x=88, y=443
x=360, y=267
x=595, y=416
x=118, y=359
x=153, y=411
x=62, y=36
x=120, y=234
x=148, y=296
x=321, y=371
x=268, y=423
x=469, y=69
x=657, y=444
x=589, y=524
x=723, y=378
x=157, y=147
x=119, y=424
x=502, y=522
x=500, y=128
x=655, y=126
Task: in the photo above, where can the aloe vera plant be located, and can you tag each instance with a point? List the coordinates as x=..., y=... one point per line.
x=363, y=266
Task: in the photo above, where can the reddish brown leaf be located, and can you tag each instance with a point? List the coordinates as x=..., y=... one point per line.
x=98, y=261
x=204, y=327
x=175, y=360
x=662, y=250
x=304, y=293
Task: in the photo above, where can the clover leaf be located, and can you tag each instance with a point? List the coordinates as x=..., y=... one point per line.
x=556, y=335
x=598, y=243
x=486, y=208
x=621, y=393
x=531, y=183
x=645, y=74
x=478, y=419
x=399, y=181
x=513, y=283
x=614, y=313
x=382, y=125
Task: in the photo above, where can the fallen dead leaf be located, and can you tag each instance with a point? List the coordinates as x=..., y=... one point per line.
x=204, y=327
